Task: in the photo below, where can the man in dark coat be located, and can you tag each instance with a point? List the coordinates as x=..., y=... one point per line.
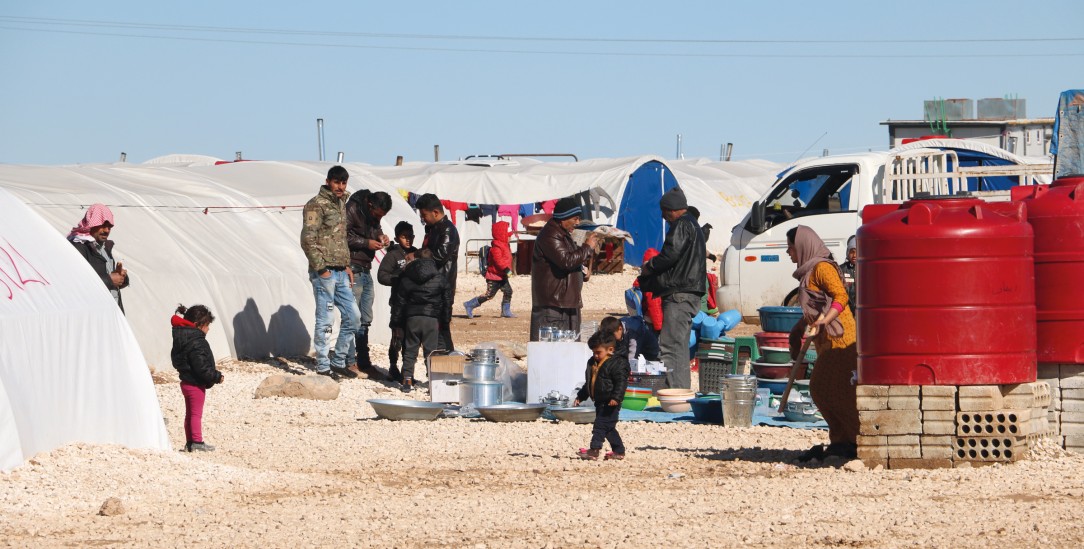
x=677, y=275
x=422, y=285
x=442, y=240
x=557, y=270
x=364, y=236
x=91, y=239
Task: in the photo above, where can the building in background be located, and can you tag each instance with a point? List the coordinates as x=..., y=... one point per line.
x=998, y=122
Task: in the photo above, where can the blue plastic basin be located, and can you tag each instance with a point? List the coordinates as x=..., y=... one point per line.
x=779, y=319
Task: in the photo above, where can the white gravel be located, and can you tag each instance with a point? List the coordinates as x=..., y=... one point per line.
x=291, y=473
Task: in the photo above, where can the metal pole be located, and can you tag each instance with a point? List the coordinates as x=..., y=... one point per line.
x=399, y=160
x=339, y=158
x=320, y=137
x=729, y=149
x=436, y=153
x=679, y=154
x=237, y=156
x=123, y=157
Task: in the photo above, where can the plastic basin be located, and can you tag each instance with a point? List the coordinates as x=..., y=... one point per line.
x=779, y=319
x=708, y=410
x=631, y=402
x=771, y=371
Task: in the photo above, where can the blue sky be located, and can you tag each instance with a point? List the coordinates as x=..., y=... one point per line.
x=83, y=81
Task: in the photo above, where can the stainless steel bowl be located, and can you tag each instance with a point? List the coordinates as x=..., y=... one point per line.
x=512, y=412
x=801, y=411
x=406, y=410
x=578, y=414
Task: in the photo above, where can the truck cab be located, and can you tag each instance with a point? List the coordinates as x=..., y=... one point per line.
x=827, y=195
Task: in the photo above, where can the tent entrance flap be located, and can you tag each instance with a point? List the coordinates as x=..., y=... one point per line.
x=639, y=212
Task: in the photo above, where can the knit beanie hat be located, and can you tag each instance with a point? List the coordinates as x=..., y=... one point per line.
x=674, y=199
x=566, y=208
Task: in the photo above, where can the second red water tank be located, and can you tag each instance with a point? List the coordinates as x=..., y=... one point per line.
x=1056, y=213
x=946, y=294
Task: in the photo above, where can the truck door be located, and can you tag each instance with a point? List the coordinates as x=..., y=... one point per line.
x=823, y=198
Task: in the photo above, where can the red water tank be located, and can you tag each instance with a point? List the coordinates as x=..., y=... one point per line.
x=1056, y=213
x=946, y=294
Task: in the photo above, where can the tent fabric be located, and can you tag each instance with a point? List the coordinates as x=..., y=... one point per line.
x=639, y=213
x=70, y=367
x=973, y=153
x=1067, y=143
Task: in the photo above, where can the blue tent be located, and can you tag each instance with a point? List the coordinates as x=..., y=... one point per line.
x=639, y=211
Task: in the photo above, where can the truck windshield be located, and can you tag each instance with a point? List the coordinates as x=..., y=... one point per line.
x=821, y=190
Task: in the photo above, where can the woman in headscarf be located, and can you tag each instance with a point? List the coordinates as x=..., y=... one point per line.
x=827, y=319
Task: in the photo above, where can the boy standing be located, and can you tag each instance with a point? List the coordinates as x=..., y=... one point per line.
x=391, y=268
x=442, y=240
x=606, y=378
x=421, y=294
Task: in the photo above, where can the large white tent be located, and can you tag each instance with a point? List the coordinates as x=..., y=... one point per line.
x=70, y=366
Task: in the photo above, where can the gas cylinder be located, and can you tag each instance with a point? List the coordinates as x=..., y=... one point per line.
x=1056, y=213
x=946, y=293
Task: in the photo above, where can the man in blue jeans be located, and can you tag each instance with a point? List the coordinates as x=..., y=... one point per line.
x=323, y=239
x=364, y=211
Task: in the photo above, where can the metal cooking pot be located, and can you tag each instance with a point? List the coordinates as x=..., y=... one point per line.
x=480, y=371
x=484, y=355
x=481, y=393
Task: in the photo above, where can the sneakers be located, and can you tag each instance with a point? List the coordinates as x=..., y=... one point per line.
x=329, y=373
x=589, y=454
x=613, y=456
x=407, y=385
x=350, y=372
x=199, y=447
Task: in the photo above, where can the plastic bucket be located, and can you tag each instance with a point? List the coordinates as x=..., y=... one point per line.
x=729, y=319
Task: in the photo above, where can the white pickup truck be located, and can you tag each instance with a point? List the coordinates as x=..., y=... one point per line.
x=827, y=194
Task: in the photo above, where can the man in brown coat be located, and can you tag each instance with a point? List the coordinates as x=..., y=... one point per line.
x=557, y=270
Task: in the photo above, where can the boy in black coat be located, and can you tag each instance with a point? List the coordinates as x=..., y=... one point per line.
x=391, y=269
x=606, y=379
x=422, y=296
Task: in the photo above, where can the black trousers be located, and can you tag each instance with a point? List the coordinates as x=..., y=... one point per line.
x=605, y=428
x=395, y=346
x=491, y=290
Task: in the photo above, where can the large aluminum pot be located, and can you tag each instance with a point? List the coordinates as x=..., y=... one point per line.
x=479, y=371
x=481, y=393
x=484, y=355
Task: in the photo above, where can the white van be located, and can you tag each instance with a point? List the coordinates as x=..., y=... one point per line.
x=827, y=194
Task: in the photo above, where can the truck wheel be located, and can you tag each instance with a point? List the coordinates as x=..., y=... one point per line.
x=792, y=299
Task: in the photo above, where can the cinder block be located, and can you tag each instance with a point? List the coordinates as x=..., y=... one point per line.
x=1003, y=449
x=1073, y=406
x=975, y=398
x=890, y=422
x=903, y=402
x=936, y=447
x=938, y=391
x=903, y=390
x=1072, y=376
x=923, y=463
x=875, y=440
x=872, y=403
x=980, y=391
x=1049, y=370
x=903, y=440
x=904, y=451
x=1073, y=442
x=873, y=463
x=872, y=452
x=871, y=390
x=1071, y=393
x=1071, y=429
x=939, y=422
x=994, y=423
x=939, y=415
x=939, y=403
x=1068, y=416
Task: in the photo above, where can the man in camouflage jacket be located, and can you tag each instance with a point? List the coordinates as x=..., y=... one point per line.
x=323, y=239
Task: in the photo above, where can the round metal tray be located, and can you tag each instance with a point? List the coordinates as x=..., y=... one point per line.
x=502, y=413
x=406, y=410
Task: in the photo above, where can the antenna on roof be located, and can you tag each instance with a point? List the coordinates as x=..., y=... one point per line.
x=320, y=137
x=123, y=157
x=237, y=156
x=436, y=153
x=680, y=155
x=339, y=158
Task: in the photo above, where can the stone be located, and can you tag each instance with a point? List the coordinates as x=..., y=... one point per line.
x=854, y=466
x=1072, y=376
x=111, y=507
x=312, y=387
x=871, y=391
x=938, y=391
x=903, y=390
x=920, y=463
x=890, y=422
x=939, y=403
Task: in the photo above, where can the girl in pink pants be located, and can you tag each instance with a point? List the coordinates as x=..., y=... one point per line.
x=195, y=364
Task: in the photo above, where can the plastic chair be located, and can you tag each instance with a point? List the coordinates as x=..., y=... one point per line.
x=747, y=346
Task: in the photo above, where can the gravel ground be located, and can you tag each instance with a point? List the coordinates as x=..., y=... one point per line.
x=308, y=473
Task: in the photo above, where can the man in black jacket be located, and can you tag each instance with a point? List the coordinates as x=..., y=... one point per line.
x=422, y=285
x=91, y=239
x=442, y=240
x=364, y=211
x=677, y=275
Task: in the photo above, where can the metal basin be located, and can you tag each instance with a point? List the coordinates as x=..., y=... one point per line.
x=502, y=413
x=406, y=410
x=578, y=414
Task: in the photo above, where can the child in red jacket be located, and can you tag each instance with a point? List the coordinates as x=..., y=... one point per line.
x=652, y=304
x=498, y=269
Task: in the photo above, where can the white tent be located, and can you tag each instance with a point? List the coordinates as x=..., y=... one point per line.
x=226, y=236
x=734, y=187
x=70, y=367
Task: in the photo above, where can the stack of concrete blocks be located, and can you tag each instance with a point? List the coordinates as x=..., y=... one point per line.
x=937, y=426
x=1066, y=414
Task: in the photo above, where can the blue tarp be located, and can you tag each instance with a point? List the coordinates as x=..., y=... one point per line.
x=639, y=212
x=1067, y=144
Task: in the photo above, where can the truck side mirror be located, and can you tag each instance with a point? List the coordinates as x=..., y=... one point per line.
x=756, y=218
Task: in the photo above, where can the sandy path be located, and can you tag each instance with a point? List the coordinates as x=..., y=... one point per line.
x=302, y=473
